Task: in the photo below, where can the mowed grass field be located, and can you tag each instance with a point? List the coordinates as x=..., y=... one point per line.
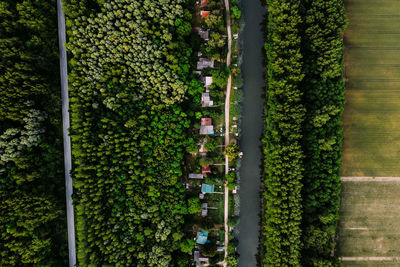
x=369, y=224
x=371, y=120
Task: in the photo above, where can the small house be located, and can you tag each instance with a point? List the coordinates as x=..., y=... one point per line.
x=201, y=237
x=207, y=81
x=205, y=170
x=204, y=63
x=203, y=3
x=204, y=14
x=207, y=188
x=206, y=127
x=196, y=176
x=204, y=210
x=204, y=34
x=206, y=100
x=199, y=259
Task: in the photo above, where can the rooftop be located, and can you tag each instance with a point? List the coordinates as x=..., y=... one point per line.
x=205, y=170
x=201, y=237
x=204, y=14
x=204, y=63
x=206, y=121
x=207, y=188
x=196, y=176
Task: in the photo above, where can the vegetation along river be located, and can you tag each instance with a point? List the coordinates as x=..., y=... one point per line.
x=252, y=42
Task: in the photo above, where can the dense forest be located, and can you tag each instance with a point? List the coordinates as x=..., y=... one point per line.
x=323, y=98
x=32, y=217
x=131, y=72
x=302, y=143
x=283, y=155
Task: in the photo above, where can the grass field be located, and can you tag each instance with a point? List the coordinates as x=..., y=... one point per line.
x=369, y=223
x=369, y=220
x=371, y=120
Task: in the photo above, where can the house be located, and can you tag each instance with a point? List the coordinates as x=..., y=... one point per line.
x=203, y=151
x=234, y=191
x=200, y=260
x=206, y=127
x=220, y=248
x=201, y=237
x=206, y=100
x=204, y=210
x=196, y=176
x=203, y=3
x=204, y=63
x=207, y=81
x=204, y=34
x=205, y=170
x=204, y=14
x=207, y=188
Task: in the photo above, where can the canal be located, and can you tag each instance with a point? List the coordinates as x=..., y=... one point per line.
x=252, y=42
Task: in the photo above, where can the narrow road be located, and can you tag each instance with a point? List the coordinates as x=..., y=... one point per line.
x=227, y=107
x=67, y=140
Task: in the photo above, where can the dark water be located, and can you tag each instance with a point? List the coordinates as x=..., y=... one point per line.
x=252, y=40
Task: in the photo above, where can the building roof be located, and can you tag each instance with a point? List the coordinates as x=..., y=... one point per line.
x=201, y=237
x=205, y=170
x=203, y=3
x=207, y=188
x=204, y=63
x=208, y=80
x=204, y=14
x=196, y=176
x=204, y=210
x=204, y=34
x=206, y=100
x=206, y=121
x=206, y=129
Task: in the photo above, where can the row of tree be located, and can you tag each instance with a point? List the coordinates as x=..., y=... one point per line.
x=131, y=73
x=32, y=218
x=283, y=154
x=302, y=143
x=323, y=98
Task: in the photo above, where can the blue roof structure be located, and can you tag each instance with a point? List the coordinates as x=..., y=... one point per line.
x=206, y=188
x=201, y=237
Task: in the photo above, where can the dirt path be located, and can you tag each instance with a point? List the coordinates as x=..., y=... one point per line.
x=370, y=179
x=227, y=112
x=67, y=140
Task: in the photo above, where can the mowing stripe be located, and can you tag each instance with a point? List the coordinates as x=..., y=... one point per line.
x=369, y=258
x=370, y=179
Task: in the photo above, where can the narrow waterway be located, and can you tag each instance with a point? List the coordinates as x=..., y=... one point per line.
x=252, y=40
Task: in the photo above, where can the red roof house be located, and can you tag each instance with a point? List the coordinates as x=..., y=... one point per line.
x=206, y=121
x=204, y=14
x=205, y=170
x=203, y=3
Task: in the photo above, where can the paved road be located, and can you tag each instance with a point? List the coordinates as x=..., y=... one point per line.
x=227, y=106
x=67, y=140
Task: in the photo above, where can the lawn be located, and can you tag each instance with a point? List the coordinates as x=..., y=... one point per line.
x=369, y=224
x=371, y=136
